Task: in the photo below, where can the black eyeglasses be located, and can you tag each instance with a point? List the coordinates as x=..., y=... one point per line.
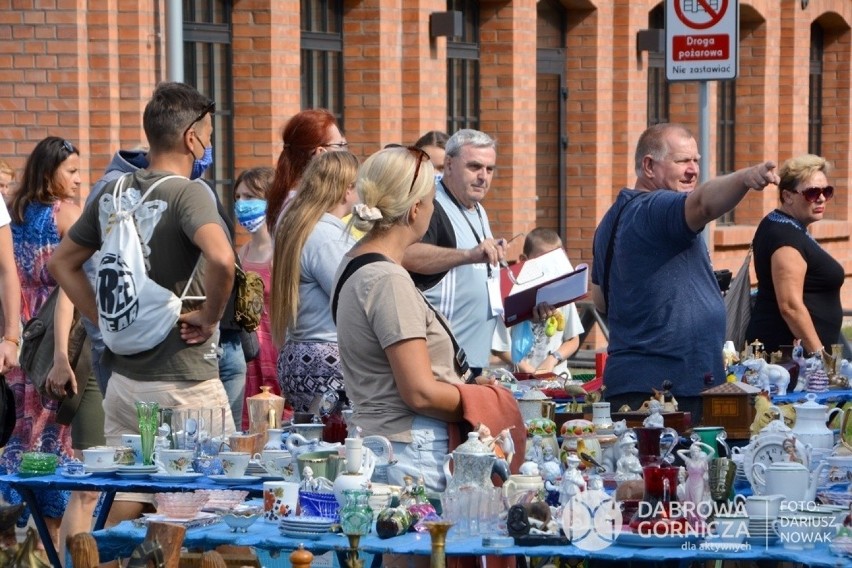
x=421, y=155
x=811, y=194
x=340, y=145
x=210, y=108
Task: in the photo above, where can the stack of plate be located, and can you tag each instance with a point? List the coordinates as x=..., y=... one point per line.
x=136, y=471
x=305, y=527
x=761, y=530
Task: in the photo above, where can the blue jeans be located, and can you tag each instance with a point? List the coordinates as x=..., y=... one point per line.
x=101, y=371
x=232, y=371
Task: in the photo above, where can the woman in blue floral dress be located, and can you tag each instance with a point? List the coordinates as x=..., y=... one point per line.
x=41, y=213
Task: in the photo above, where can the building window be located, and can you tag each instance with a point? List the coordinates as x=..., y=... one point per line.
x=658, y=85
x=322, y=56
x=207, y=67
x=726, y=123
x=463, y=69
x=815, y=90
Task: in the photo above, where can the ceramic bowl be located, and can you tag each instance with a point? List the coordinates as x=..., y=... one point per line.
x=241, y=518
x=223, y=498
x=180, y=505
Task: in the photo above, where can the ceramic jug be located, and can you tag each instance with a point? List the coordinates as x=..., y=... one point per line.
x=811, y=420
x=791, y=479
x=265, y=410
x=305, y=438
x=473, y=463
x=533, y=404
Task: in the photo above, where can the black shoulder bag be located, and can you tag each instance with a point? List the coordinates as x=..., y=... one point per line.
x=369, y=258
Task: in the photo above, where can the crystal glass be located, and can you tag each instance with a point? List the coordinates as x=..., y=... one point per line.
x=148, y=414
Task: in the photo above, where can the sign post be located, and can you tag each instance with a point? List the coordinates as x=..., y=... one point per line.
x=702, y=40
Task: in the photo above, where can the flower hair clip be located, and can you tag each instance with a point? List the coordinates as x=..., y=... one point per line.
x=366, y=212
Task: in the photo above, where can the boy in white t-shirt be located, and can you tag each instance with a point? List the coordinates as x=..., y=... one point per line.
x=547, y=353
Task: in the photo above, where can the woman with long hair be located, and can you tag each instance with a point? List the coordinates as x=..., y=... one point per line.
x=42, y=212
x=307, y=134
x=310, y=241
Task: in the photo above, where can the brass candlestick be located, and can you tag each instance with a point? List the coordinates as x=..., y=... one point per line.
x=352, y=559
x=438, y=532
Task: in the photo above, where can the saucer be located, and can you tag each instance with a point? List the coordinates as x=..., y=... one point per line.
x=137, y=468
x=133, y=474
x=64, y=473
x=109, y=470
x=170, y=478
x=225, y=480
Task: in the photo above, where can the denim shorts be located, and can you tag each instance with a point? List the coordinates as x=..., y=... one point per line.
x=424, y=456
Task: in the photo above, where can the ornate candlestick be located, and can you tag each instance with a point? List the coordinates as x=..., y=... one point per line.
x=352, y=559
x=438, y=532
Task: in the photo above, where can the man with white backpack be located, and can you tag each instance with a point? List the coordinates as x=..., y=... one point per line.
x=165, y=270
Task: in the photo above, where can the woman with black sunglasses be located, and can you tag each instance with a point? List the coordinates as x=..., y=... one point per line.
x=798, y=281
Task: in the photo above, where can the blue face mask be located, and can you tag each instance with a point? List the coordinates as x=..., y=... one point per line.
x=251, y=213
x=201, y=164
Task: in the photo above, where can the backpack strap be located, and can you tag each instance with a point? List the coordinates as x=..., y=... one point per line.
x=610, y=248
x=120, y=186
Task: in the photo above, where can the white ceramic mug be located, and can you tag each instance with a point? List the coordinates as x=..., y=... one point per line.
x=761, y=506
x=234, y=464
x=99, y=457
x=174, y=462
x=134, y=442
x=280, y=499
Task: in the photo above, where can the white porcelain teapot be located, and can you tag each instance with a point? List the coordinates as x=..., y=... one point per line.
x=791, y=479
x=811, y=420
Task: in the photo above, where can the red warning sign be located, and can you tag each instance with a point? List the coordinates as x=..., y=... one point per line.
x=702, y=40
x=700, y=14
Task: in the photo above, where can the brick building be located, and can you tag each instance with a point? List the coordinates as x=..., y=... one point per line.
x=562, y=84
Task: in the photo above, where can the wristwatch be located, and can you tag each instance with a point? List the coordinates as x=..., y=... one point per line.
x=557, y=355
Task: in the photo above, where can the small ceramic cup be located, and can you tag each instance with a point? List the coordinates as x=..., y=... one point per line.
x=134, y=441
x=234, y=464
x=174, y=462
x=280, y=499
x=99, y=457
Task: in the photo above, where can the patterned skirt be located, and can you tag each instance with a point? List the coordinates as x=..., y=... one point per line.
x=306, y=371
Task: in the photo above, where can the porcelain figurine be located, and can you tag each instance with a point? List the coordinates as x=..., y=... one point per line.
x=655, y=418
x=572, y=481
x=768, y=375
x=628, y=467
x=697, y=486
x=535, y=450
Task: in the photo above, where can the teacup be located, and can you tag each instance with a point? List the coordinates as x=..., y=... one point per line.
x=234, y=464
x=278, y=462
x=99, y=457
x=134, y=441
x=75, y=468
x=174, y=462
x=760, y=506
x=124, y=455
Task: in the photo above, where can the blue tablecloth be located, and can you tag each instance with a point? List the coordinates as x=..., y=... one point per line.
x=119, y=541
